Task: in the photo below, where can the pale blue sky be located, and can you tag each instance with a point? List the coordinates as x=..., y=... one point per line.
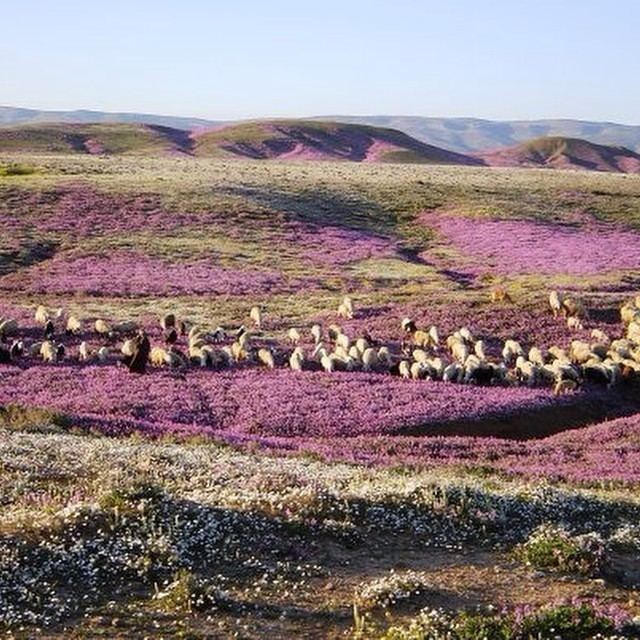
x=250, y=58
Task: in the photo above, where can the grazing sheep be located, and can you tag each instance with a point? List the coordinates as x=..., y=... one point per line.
x=34, y=349
x=434, y=336
x=74, y=326
x=343, y=341
x=404, y=369
x=369, y=359
x=511, y=350
x=327, y=363
x=60, y=352
x=47, y=351
x=316, y=333
x=466, y=335
x=418, y=370
x=296, y=359
x=419, y=355
x=127, y=347
x=265, y=357
x=500, y=294
x=574, y=307
x=158, y=357
x=453, y=372
x=49, y=330
x=218, y=334
x=294, y=336
x=41, y=315
x=479, y=349
x=8, y=327
x=384, y=357
x=83, y=351
x=564, y=386
x=102, y=328
x=460, y=351
x=238, y=352
x=421, y=338
x=362, y=344
x=126, y=327
x=168, y=322
x=255, y=314
x=17, y=349
x=535, y=356
x=555, y=302
x=574, y=323
x=345, y=309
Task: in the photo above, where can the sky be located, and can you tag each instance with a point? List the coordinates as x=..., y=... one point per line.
x=498, y=59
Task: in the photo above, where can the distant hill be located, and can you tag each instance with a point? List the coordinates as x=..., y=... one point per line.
x=564, y=153
x=272, y=139
x=135, y=139
x=304, y=139
x=468, y=135
x=17, y=115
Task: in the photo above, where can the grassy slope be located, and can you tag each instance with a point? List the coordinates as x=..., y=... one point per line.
x=131, y=139
x=330, y=140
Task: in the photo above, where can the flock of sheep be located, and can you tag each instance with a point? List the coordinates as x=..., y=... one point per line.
x=419, y=354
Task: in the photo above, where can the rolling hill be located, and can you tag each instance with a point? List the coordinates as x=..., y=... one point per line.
x=138, y=139
x=564, y=153
x=290, y=139
x=469, y=135
x=17, y=115
x=302, y=140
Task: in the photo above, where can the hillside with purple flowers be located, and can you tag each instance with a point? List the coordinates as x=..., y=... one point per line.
x=387, y=399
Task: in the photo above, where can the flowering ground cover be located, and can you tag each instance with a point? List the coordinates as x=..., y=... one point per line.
x=505, y=247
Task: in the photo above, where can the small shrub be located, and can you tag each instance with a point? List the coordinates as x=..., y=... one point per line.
x=21, y=418
x=390, y=590
x=552, y=548
x=188, y=593
x=16, y=169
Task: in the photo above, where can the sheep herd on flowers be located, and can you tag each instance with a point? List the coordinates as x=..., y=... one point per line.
x=419, y=353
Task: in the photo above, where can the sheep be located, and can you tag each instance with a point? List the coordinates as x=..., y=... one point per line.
x=49, y=330
x=453, y=372
x=527, y=371
x=574, y=323
x=239, y=352
x=103, y=354
x=175, y=358
x=294, y=336
x=17, y=349
x=168, y=322
x=102, y=328
x=535, y=356
x=555, y=302
x=41, y=315
x=125, y=327
x=265, y=357
x=558, y=353
x=564, y=386
x=83, y=351
x=417, y=370
x=384, y=357
x=628, y=313
x=419, y=355
x=8, y=327
x=434, y=336
x=47, y=351
x=60, y=352
x=343, y=341
x=511, y=350
x=369, y=359
x=158, y=357
x=345, y=309
x=466, y=335
x=421, y=338
x=296, y=359
x=316, y=333
x=579, y=351
x=362, y=344
x=334, y=331
x=327, y=363
x=404, y=369
x=574, y=307
x=460, y=351
x=479, y=349
x=74, y=326
x=408, y=325
x=255, y=314
x=34, y=349
x=127, y=347
x=500, y=294
x=218, y=334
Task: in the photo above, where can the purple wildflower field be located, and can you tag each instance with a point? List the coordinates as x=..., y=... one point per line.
x=506, y=247
x=132, y=273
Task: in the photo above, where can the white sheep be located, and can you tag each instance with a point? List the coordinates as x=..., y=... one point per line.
x=480, y=350
x=453, y=372
x=555, y=302
x=127, y=348
x=384, y=357
x=48, y=351
x=265, y=357
x=369, y=359
x=41, y=315
x=316, y=333
x=255, y=314
x=404, y=369
x=102, y=327
x=345, y=309
x=296, y=359
x=564, y=386
x=294, y=336
x=74, y=326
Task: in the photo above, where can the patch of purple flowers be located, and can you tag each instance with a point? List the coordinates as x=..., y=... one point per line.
x=507, y=247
